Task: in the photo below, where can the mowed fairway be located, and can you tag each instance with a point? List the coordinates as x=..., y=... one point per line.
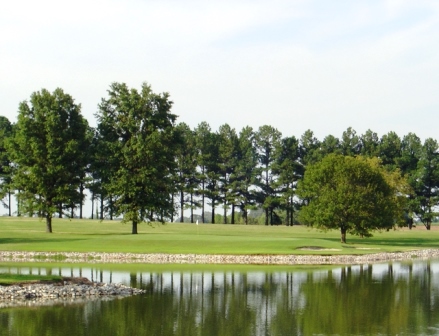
x=28, y=234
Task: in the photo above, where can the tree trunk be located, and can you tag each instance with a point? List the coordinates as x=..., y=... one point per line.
x=271, y=216
x=18, y=203
x=81, y=188
x=60, y=211
x=292, y=213
x=245, y=214
x=9, y=203
x=266, y=216
x=134, y=228
x=202, y=198
x=48, y=223
x=225, y=210
x=173, y=207
x=343, y=235
x=101, y=216
x=181, y=206
x=213, y=212
x=192, y=206
x=111, y=207
x=92, y=203
x=233, y=214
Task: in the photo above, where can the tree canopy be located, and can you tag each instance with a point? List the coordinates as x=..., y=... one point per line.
x=139, y=129
x=143, y=167
x=352, y=194
x=46, y=149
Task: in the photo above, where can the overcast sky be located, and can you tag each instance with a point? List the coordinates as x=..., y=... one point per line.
x=295, y=65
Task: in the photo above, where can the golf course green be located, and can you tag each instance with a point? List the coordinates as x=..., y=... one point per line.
x=28, y=234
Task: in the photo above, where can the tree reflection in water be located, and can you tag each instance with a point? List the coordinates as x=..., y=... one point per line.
x=387, y=299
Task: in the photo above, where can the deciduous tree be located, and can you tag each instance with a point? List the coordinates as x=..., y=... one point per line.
x=354, y=195
x=46, y=149
x=145, y=146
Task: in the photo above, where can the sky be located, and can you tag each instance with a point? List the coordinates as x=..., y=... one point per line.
x=295, y=65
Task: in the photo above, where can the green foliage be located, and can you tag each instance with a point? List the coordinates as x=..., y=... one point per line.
x=47, y=151
x=329, y=145
x=369, y=144
x=245, y=172
x=268, y=143
x=186, y=178
x=227, y=159
x=5, y=163
x=139, y=130
x=390, y=150
x=350, y=143
x=203, y=137
x=354, y=195
x=425, y=181
x=309, y=148
x=136, y=163
x=289, y=170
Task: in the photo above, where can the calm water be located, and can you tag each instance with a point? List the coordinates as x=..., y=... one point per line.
x=381, y=299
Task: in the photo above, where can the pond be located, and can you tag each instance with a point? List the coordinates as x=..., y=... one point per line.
x=380, y=299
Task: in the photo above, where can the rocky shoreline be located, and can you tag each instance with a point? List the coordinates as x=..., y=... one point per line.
x=163, y=258
x=64, y=291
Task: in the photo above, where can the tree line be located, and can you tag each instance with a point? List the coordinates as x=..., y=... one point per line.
x=143, y=165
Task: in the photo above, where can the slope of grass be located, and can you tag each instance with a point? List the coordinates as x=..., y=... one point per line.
x=9, y=279
x=28, y=234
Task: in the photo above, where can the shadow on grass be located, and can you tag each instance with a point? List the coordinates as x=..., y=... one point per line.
x=34, y=240
x=411, y=242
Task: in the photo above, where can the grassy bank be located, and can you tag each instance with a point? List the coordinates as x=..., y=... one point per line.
x=28, y=234
x=10, y=279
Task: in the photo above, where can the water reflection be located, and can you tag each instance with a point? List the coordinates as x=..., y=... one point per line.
x=382, y=299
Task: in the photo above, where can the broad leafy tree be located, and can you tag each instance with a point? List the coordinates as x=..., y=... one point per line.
x=46, y=150
x=354, y=195
x=145, y=146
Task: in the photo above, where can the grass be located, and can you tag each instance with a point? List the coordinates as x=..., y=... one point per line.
x=156, y=268
x=28, y=234
x=9, y=279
